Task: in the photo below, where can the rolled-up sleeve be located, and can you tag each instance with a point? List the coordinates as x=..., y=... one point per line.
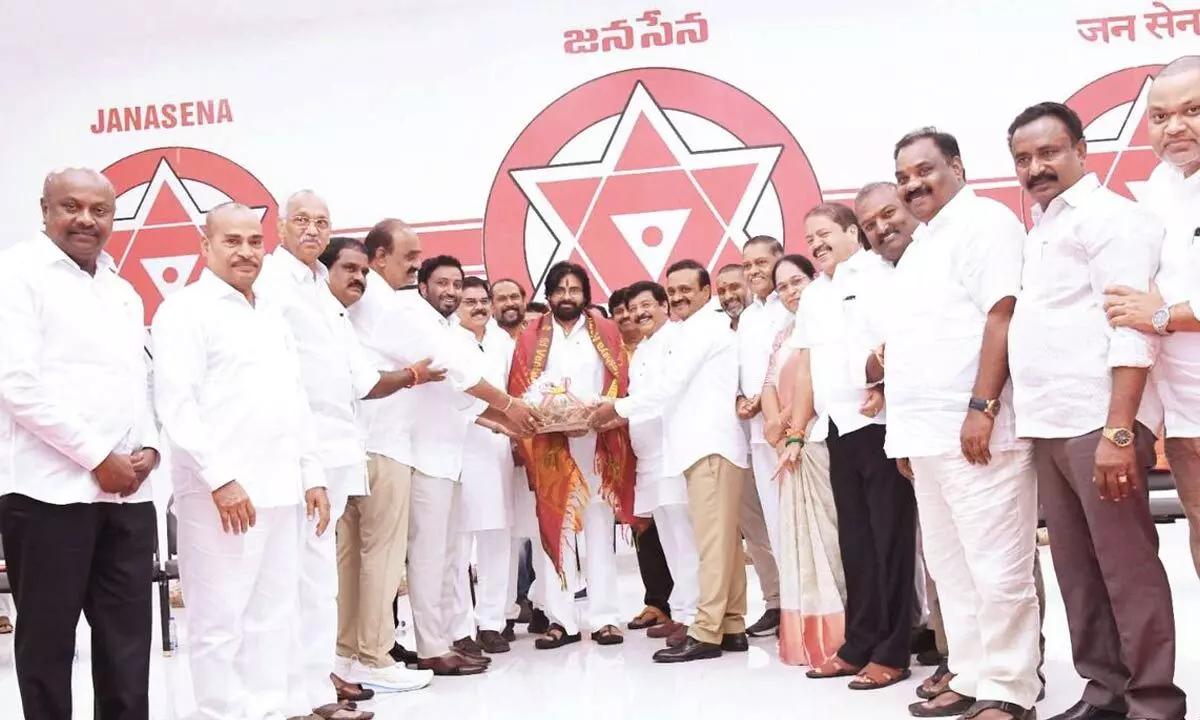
x=1124, y=247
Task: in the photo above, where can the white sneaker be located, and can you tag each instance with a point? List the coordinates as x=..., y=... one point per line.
x=393, y=678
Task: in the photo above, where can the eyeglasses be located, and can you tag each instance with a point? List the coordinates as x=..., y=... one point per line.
x=303, y=221
x=797, y=283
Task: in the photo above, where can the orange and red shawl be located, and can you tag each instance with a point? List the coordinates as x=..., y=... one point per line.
x=557, y=482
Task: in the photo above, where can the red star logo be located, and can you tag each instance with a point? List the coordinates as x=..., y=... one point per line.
x=649, y=200
x=1124, y=161
x=157, y=246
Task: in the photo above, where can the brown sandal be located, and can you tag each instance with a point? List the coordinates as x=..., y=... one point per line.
x=6, y=625
x=648, y=618
x=928, y=709
x=834, y=667
x=935, y=684
x=877, y=677
x=608, y=635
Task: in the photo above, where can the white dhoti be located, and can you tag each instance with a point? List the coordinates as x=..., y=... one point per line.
x=434, y=551
x=978, y=532
x=674, y=524
x=764, y=461
x=314, y=637
x=241, y=595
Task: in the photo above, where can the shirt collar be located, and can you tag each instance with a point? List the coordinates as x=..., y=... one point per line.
x=957, y=205
x=215, y=286
x=297, y=270
x=1073, y=197
x=47, y=252
x=754, y=300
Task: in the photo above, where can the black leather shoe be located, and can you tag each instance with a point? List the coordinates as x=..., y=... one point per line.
x=765, y=627
x=735, y=642
x=403, y=655
x=1083, y=711
x=691, y=649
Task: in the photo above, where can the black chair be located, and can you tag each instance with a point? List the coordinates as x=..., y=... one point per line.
x=166, y=570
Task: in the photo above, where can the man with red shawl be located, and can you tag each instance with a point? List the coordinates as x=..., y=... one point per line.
x=583, y=480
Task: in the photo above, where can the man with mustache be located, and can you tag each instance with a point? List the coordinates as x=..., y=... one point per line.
x=398, y=328
x=76, y=513
x=875, y=505
x=945, y=329
x=584, y=480
x=437, y=563
x=1079, y=393
x=704, y=442
x=732, y=292
x=336, y=373
x=245, y=466
x=485, y=512
x=660, y=496
x=652, y=563
x=1171, y=308
x=510, y=313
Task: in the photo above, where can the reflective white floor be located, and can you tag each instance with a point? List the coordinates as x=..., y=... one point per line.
x=586, y=681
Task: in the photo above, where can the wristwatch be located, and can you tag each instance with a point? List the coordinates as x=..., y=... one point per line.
x=1121, y=437
x=1161, y=319
x=987, y=407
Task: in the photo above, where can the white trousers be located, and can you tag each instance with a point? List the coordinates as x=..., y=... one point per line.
x=538, y=560
x=241, y=607
x=978, y=531
x=434, y=557
x=600, y=569
x=674, y=523
x=764, y=460
x=494, y=585
x=314, y=636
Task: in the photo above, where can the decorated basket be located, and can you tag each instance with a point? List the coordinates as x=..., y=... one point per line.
x=561, y=411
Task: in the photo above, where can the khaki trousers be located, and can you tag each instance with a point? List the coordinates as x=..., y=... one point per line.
x=1183, y=454
x=715, y=488
x=372, y=540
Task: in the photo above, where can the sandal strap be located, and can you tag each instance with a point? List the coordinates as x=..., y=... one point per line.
x=1013, y=710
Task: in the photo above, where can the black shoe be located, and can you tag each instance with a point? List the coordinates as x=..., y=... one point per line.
x=538, y=622
x=923, y=640
x=581, y=595
x=735, y=642
x=509, y=633
x=403, y=655
x=765, y=627
x=1083, y=711
x=930, y=658
x=691, y=649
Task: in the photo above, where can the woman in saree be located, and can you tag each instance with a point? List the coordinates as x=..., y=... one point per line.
x=811, y=583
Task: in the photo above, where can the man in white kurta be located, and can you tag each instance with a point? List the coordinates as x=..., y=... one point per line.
x=950, y=413
x=661, y=495
x=1173, y=193
x=230, y=399
x=757, y=327
x=78, y=444
x=336, y=373
x=485, y=511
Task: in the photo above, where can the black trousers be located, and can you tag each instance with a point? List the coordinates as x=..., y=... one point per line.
x=652, y=564
x=91, y=558
x=877, y=533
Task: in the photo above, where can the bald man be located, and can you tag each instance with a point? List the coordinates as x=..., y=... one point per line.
x=244, y=462
x=76, y=514
x=1173, y=193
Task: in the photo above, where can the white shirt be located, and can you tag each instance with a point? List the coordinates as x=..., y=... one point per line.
x=1061, y=348
x=399, y=328
x=646, y=368
x=959, y=265
x=1176, y=376
x=72, y=375
x=487, y=468
x=697, y=396
x=758, y=326
x=443, y=413
x=228, y=392
x=333, y=366
x=831, y=322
